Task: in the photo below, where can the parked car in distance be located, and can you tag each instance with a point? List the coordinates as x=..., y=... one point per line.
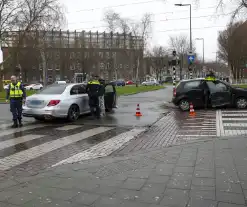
x=64, y=101
x=220, y=94
x=34, y=86
x=60, y=82
x=168, y=79
x=118, y=83
x=129, y=82
x=151, y=82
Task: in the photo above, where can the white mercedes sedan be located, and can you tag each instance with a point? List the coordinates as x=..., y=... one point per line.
x=64, y=101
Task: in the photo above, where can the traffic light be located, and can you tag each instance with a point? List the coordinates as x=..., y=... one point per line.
x=190, y=67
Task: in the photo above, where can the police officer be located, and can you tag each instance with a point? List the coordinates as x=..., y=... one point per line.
x=210, y=76
x=94, y=90
x=16, y=94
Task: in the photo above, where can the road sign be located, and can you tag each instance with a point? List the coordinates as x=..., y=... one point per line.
x=191, y=58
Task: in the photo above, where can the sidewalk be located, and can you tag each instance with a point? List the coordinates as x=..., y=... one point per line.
x=202, y=174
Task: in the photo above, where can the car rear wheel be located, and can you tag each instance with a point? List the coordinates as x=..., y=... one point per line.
x=73, y=113
x=184, y=105
x=39, y=118
x=241, y=103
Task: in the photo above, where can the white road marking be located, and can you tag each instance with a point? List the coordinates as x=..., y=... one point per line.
x=15, y=141
x=200, y=130
x=203, y=127
x=11, y=131
x=104, y=148
x=68, y=127
x=195, y=135
x=37, y=151
x=239, y=111
x=235, y=132
x=235, y=114
x=234, y=119
x=235, y=124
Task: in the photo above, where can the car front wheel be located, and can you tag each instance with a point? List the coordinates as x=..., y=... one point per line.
x=184, y=105
x=241, y=103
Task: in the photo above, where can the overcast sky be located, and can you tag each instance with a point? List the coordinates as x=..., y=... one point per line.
x=168, y=19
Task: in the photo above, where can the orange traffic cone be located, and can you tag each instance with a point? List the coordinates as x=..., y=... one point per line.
x=192, y=111
x=138, y=112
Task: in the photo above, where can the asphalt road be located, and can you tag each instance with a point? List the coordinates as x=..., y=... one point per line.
x=151, y=105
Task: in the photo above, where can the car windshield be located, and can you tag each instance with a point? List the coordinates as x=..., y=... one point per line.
x=54, y=89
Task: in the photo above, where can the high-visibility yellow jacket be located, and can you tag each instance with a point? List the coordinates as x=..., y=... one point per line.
x=15, y=91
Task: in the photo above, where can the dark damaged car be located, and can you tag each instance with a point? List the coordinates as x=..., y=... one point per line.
x=218, y=93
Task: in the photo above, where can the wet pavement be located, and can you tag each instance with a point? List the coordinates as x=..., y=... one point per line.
x=232, y=122
x=175, y=128
x=204, y=174
x=151, y=107
x=142, y=166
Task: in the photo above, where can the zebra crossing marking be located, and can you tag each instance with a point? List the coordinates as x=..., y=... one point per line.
x=228, y=119
x=205, y=122
x=68, y=127
x=15, y=141
x=104, y=148
x=37, y=151
x=12, y=131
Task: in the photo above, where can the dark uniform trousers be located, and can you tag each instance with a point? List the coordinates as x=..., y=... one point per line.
x=16, y=108
x=94, y=89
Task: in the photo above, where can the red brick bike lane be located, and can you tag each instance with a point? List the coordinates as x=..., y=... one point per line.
x=175, y=128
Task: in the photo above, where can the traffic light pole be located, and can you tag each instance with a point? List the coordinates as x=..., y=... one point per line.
x=190, y=71
x=174, y=62
x=174, y=77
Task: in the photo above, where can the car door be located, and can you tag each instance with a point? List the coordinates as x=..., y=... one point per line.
x=75, y=98
x=110, y=96
x=220, y=93
x=194, y=92
x=83, y=98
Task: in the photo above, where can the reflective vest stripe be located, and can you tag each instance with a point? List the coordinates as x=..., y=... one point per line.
x=94, y=82
x=15, y=91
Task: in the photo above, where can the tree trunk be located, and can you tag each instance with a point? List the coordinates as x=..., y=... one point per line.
x=137, y=71
x=42, y=54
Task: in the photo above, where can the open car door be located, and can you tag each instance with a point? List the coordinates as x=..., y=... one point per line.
x=110, y=97
x=220, y=93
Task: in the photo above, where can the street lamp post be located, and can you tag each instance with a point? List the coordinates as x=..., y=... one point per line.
x=202, y=48
x=190, y=23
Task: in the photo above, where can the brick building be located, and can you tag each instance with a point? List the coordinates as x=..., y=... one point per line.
x=110, y=55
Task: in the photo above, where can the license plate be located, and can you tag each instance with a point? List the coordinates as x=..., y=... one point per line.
x=35, y=102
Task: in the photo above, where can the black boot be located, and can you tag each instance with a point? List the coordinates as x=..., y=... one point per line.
x=15, y=125
x=20, y=123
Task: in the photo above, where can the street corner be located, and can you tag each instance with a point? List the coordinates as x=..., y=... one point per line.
x=200, y=125
x=175, y=128
x=232, y=122
x=169, y=105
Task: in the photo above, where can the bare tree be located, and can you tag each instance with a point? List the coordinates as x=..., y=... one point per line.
x=157, y=58
x=8, y=16
x=140, y=30
x=112, y=19
x=43, y=16
x=181, y=44
x=26, y=16
x=232, y=44
x=240, y=5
